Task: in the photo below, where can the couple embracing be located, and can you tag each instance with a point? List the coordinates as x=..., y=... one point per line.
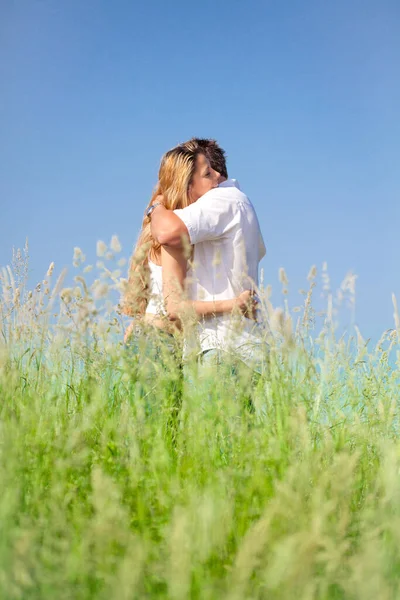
x=195, y=265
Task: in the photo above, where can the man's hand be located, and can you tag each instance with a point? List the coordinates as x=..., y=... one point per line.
x=247, y=304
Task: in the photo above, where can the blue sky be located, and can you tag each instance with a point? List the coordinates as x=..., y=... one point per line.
x=303, y=95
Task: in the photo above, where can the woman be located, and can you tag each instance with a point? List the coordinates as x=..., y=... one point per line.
x=155, y=288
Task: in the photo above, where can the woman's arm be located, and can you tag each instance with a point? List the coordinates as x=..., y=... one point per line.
x=174, y=267
x=167, y=228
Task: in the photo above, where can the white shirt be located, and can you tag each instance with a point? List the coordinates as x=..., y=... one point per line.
x=155, y=305
x=228, y=246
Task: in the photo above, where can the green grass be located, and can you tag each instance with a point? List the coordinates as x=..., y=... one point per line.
x=198, y=497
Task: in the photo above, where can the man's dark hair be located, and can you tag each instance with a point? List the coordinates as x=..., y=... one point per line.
x=215, y=154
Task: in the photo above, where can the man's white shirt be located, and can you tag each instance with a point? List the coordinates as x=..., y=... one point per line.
x=228, y=246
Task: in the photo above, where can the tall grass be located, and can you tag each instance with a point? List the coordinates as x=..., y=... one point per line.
x=117, y=486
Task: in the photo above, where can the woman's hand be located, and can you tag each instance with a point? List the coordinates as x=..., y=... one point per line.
x=159, y=199
x=154, y=204
x=247, y=303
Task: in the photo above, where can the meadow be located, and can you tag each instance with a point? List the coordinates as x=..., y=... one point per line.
x=117, y=486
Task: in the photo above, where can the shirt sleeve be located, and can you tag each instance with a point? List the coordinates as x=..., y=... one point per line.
x=213, y=215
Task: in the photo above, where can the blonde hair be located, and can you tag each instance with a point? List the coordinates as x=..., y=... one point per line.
x=174, y=178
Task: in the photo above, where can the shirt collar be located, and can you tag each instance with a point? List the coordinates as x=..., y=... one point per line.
x=230, y=183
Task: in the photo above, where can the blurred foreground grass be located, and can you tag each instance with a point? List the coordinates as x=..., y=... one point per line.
x=198, y=497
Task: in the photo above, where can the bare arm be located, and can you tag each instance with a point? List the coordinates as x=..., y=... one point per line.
x=209, y=218
x=167, y=228
x=174, y=266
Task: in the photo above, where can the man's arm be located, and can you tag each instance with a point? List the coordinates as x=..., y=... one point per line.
x=167, y=228
x=174, y=272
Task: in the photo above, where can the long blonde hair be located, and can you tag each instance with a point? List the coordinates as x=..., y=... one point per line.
x=174, y=178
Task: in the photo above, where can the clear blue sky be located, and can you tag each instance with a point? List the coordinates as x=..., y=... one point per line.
x=303, y=95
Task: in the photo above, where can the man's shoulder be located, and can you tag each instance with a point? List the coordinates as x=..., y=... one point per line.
x=228, y=183
x=228, y=190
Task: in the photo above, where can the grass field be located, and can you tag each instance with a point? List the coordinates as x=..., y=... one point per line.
x=114, y=486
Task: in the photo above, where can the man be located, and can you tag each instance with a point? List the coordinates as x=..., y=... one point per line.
x=228, y=246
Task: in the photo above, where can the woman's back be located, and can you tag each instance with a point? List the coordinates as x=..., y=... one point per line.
x=155, y=305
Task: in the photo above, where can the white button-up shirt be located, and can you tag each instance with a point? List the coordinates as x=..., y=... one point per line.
x=228, y=246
